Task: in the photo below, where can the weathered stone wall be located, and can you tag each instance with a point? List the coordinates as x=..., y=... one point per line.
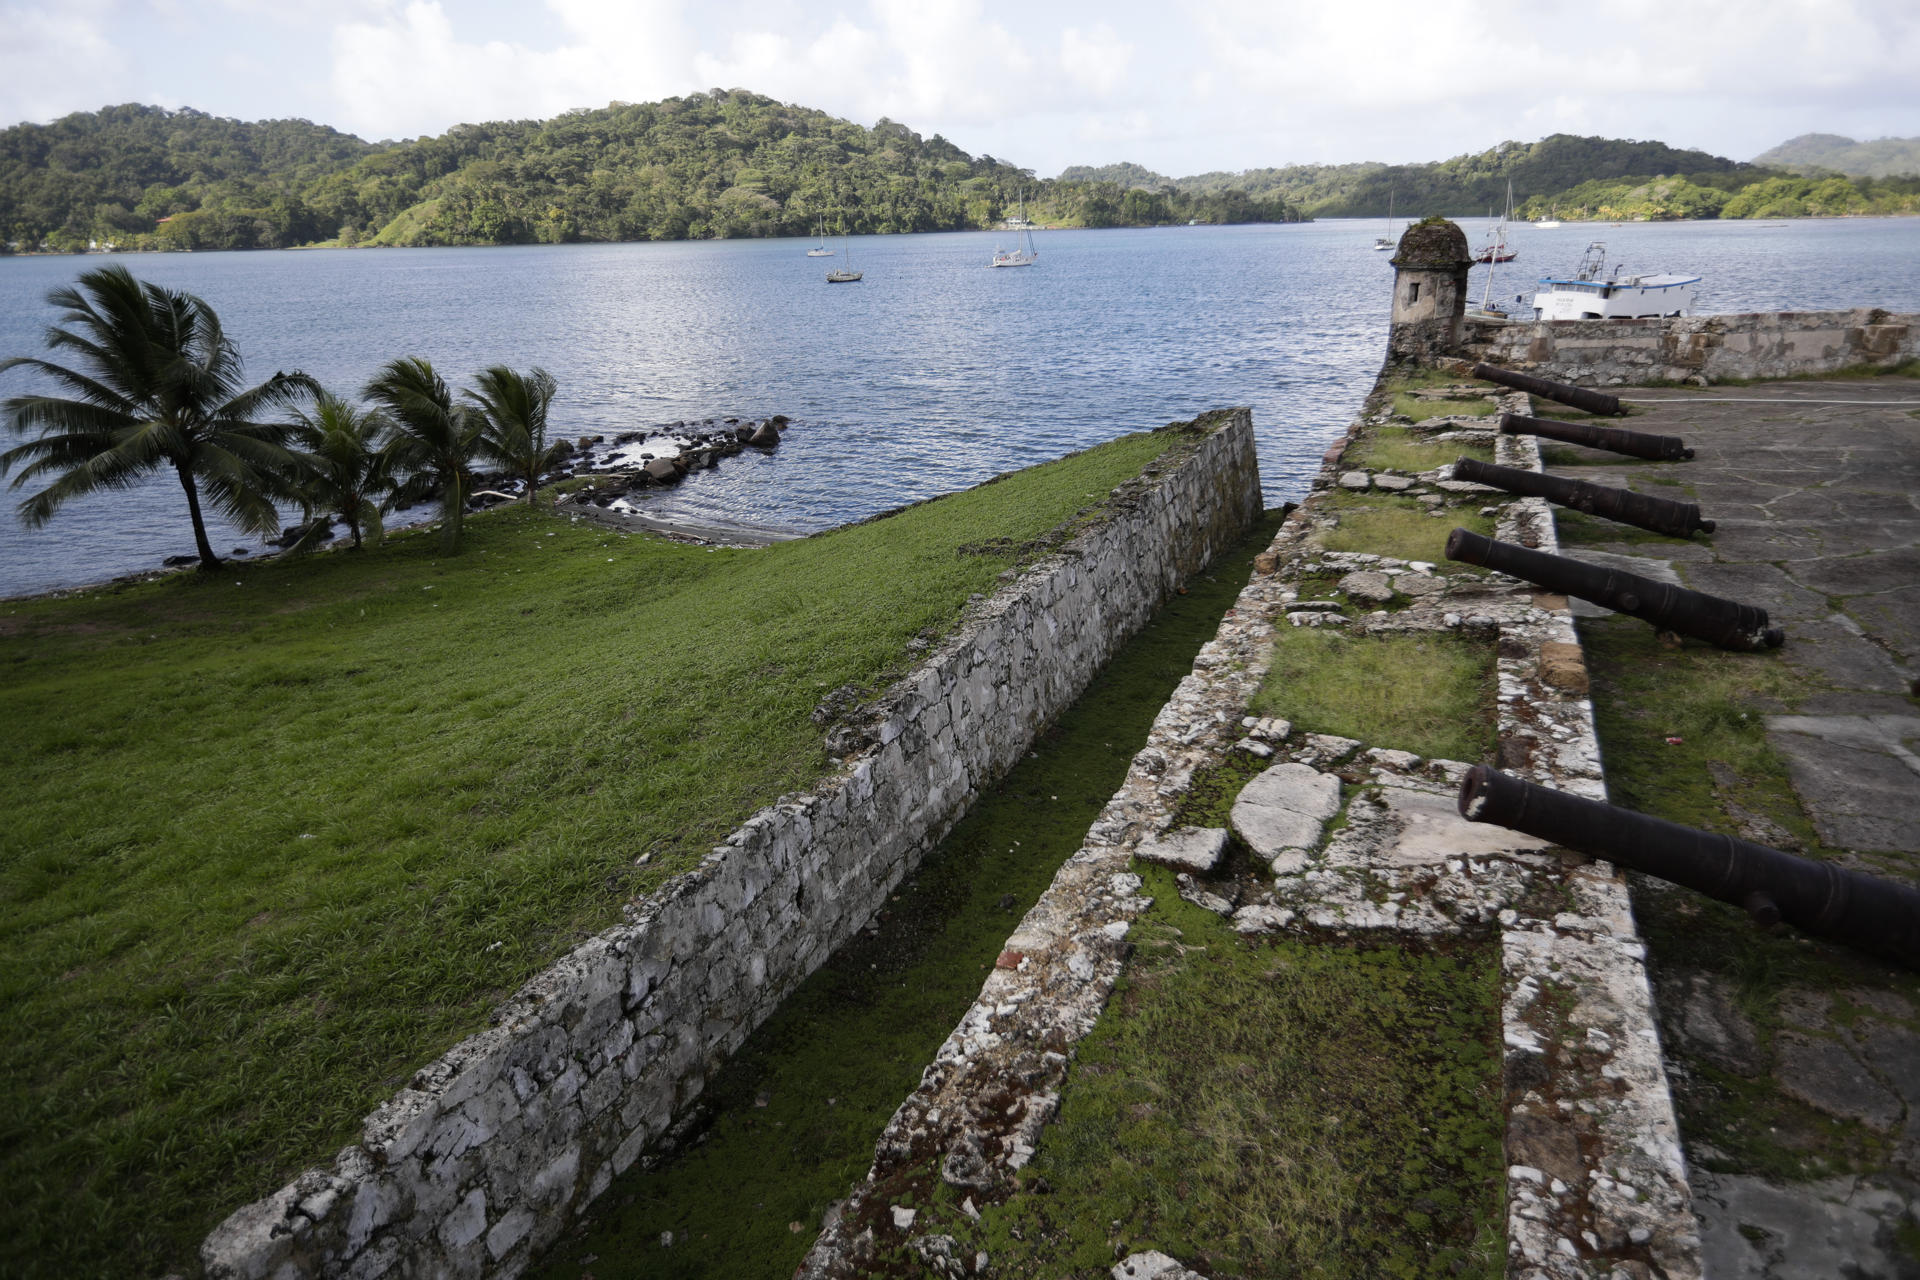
x=1774, y=344
x=483, y=1159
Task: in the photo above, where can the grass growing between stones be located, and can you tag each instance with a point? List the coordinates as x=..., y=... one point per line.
x=1577, y=529
x=1269, y=1108
x=789, y=1126
x=1398, y=527
x=1400, y=449
x=276, y=837
x=1722, y=775
x=1429, y=694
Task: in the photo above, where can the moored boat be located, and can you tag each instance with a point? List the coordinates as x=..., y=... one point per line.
x=1599, y=292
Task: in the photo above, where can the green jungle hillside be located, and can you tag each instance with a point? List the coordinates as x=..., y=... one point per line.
x=1569, y=177
x=710, y=165
x=1821, y=154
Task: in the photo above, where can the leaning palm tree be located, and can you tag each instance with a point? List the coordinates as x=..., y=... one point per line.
x=155, y=383
x=431, y=441
x=513, y=407
x=346, y=473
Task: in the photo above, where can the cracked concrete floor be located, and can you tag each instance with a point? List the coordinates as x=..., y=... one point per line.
x=1818, y=521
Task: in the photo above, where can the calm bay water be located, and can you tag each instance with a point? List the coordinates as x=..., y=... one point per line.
x=930, y=375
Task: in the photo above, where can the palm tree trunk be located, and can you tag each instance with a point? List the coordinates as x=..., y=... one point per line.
x=208, y=560
x=453, y=506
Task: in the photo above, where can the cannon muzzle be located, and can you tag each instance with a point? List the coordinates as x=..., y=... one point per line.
x=1637, y=444
x=1868, y=912
x=1661, y=515
x=1727, y=623
x=1578, y=397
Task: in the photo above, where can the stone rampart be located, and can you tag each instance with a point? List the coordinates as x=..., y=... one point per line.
x=1772, y=344
x=489, y=1152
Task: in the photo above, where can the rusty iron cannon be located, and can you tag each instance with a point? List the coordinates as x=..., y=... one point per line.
x=1868, y=912
x=1637, y=444
x=1661, y=515
x=1578, y=397
x=1727, y=623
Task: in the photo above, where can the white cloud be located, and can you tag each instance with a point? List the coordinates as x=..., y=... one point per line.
x=42, y=50
x=1096, y=60
x=406, y=70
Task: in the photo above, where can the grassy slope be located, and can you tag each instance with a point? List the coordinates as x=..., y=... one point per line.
x=278, y=836
x=793, y=1119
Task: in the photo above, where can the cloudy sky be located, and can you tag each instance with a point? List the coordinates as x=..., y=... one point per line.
x=1209, y=84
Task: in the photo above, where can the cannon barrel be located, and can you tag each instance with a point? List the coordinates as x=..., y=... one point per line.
x=1637, y=444
x=1727, y=623
x=1662, y=515
x=1877, y=915
x=1578, y=397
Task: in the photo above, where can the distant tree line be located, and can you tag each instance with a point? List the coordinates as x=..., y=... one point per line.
x=1571, y=176
x=153, y=385
x=710, y=165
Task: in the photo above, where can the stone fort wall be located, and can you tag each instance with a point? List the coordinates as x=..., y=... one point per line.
x=489, y=1152
x=1774, y=344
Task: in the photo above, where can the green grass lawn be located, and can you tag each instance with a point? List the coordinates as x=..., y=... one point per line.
x=1428, y=693
x=278, y=836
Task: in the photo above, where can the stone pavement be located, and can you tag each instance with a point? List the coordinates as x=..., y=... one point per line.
x=1818, y=512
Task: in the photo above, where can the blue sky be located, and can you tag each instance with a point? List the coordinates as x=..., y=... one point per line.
x=1209, y=84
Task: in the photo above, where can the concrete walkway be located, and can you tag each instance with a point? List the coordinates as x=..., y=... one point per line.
x=1818, y=508
x=1818, y=511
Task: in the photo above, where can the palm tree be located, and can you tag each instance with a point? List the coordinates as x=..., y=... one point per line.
x=346, y=472
x=431, y=441
x=514, y=409
x=157, y=383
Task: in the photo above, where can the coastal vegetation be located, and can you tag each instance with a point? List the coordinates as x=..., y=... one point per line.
x=730, y=163
x=1566, y=176
x=281, y=835
x=158, y=385
x=715, y=165
x=1819, y=154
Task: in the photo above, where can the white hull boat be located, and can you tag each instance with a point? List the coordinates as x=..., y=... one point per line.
x=1599, y=292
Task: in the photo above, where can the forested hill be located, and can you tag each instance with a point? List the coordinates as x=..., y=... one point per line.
x=1597, y=178
x=112, y=174
x=1465, y=186
x=1832, y=153
x=710, y=165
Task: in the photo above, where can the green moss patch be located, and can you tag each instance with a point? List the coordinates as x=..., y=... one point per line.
x=1398, y=527
x=1270, y=1108
x=1431, y=694
x=789, y=1125
x=278, y=836
x=1399, y=449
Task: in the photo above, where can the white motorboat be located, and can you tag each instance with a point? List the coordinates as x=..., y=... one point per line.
x=1599, y=292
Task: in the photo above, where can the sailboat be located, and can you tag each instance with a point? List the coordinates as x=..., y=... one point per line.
x=1551, y=220
x=1022, y=254
x=820, y=250
x=1386, y=241
x=846, y=274
x=1495, y=249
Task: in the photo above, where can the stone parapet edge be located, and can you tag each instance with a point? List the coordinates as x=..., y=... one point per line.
x=1582, y=1067
x=481, y=1161
x=1703, y=349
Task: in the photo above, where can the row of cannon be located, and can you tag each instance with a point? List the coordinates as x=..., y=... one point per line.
x=1864, y=911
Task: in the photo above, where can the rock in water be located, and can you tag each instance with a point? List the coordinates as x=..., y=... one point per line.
x=766, y=436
